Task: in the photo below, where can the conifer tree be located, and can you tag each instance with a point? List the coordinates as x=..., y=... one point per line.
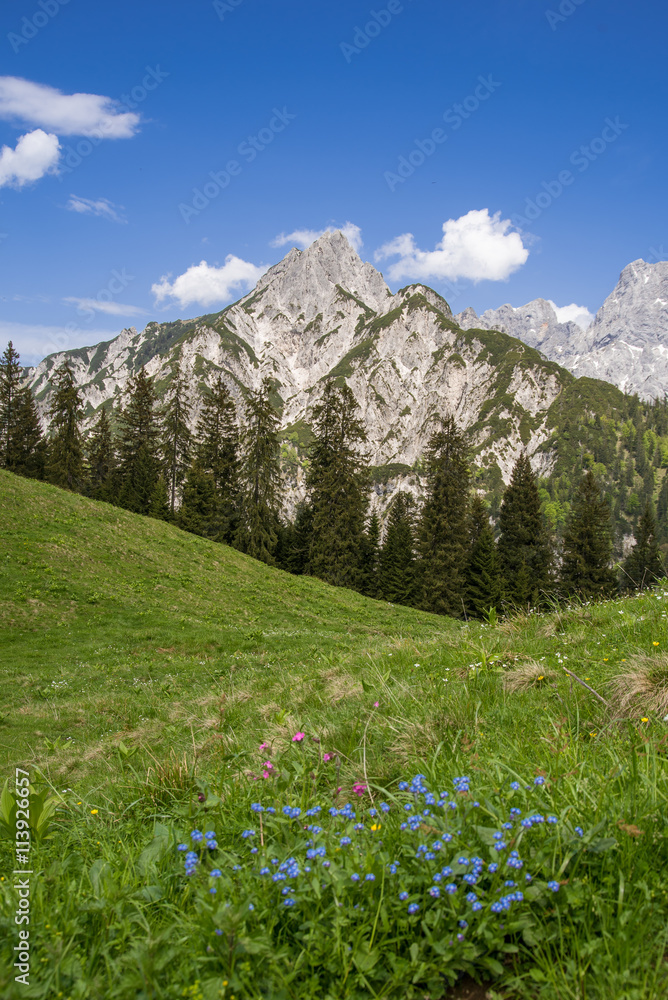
x=524, y=545
x=101, y=458
x=662, y=511
x=218, y=453
x=585, y=568
x=442, y=529
x=199, y=504
x=65, y=449
x=337, y=482
x=176, y=437
x=138, y=446
x=483, y=573
x=29, y=446
x=397, y=558
x=158, y=500
x=370, y=558
x=10, y=389
x=643, y=567
x=257, y=530
x=297, y=543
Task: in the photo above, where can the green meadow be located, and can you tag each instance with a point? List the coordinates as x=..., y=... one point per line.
x=153, y=684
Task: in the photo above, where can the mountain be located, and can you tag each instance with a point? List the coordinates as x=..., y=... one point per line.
x=324, y=313
x=627, y=344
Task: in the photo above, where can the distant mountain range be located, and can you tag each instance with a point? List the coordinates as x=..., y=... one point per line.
x=627, y=344
x=323, y=313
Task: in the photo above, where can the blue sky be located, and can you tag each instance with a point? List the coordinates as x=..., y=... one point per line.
x=399, y=118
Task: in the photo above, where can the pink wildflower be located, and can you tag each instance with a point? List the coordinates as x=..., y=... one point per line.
x=268, y=765
x=327, y=756
x=298, y=737
x=359, y=789
x=375, y=704
x=266, y=774
x=263, y=746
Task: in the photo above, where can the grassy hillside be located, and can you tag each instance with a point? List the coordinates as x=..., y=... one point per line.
x=150, y=679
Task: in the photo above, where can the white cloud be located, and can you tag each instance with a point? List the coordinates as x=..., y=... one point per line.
x=579, y=315
x=476, y=246
x=36, y=154
x=110, y=308
x=305, y=237
x=86, y=206
x=35, y=341
x=209, y=285
x=66, y=114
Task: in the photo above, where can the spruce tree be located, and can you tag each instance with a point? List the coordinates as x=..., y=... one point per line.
x=138, y=446
x=442, y=529
x=370, y=558
x=176, y=437
x=337, y=483
x=10, y=390
x=524, y=544
x=662, y=511
x=157, y=501
x=218, y=453
x=199, y=504
x=643, y=567
x=585, y=568
x=29, y=445
x=483, y=573
x=397, y=558
x=101, y=458
x=257, y=529
x=65, y=449
x=297, y=543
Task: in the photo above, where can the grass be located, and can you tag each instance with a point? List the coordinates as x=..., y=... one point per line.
x=140, y=670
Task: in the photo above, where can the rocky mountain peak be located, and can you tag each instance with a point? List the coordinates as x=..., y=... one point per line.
x=306, y=283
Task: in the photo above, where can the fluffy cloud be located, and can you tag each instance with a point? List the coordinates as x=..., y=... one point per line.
x=207, y=285
x=110, y=308
x=36, y=154
x=476, y=246
x=86, y=206
x=304, y=237
x=579, y=315
x=66, y=114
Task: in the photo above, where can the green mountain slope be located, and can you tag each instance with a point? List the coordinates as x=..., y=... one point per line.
x=97, y=603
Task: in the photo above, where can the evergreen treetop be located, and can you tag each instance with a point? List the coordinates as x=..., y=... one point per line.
x=524, y=545
x=587, y=551
x=66, y=462
x=443, y=522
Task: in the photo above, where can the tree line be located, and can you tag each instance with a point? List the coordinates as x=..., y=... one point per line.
x=223, y=481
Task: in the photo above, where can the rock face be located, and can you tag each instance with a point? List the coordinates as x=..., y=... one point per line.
x=627, y=344
x=323, y=313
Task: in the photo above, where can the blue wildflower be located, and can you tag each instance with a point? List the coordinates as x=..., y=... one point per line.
x=196, y=836
x=257, y=807
x=515, y=785
x=403, y=896
x=369, y=878
x=554, y=886
x=435, y=892
x=413, y=908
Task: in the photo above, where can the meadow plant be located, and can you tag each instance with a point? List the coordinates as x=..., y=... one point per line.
x=420, y=888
